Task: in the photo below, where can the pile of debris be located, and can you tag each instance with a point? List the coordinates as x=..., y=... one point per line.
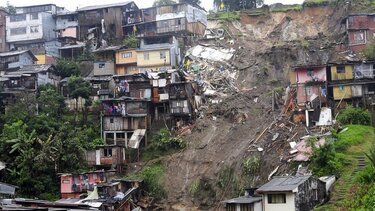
x=209, y=67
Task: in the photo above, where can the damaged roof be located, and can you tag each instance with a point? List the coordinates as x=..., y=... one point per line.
x=95, y=7
x=283, y=184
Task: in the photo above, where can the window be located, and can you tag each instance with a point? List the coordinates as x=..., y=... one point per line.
x=108, y=152
x=126, y=55
x=179, y=22
x=146, y=56
x=34, y=16
x=308, y=90
x=340, y=68
x=341, y=88
x=16, y=18
x=111, y=120
x=34, y=29
x=359, y=36
x=246, y=207
x=276, y=198
x=101, y=65
x=18, y=31
x=310, y=72
x=65, y=181
x=163, y=55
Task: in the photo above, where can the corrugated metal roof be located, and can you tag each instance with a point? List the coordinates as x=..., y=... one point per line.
x=7, y=189
x=243, y=200
x=13, y=53
x=35, y=68
x=283, y=184
x=95, y=7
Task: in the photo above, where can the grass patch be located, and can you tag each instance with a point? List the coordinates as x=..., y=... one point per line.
x=225, y=16
x=356, y=134
x=287, y=8
x=153, y=178
x=310, y=3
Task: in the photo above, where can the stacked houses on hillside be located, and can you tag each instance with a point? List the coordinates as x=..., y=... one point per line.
x=348, y=78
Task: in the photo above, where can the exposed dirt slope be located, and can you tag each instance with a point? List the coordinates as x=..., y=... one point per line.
x=266, y=49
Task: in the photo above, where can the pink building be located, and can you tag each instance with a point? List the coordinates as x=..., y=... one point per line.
x=72, y=185
x=311, y=83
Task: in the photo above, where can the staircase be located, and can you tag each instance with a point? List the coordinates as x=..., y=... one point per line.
x=343, y=187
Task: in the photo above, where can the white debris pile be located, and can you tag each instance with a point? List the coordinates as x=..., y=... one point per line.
x=208, y=66
x=213, y=54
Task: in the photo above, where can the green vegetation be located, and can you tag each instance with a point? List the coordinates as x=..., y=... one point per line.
x=225, y=16
x=153, y=177
x=163, y=2
x=235, y=5
x=287, y=8
x=251, y=165
x=195, y=188
x=131, y=42
x=369, y=51
x=163, y=143
x=351, y=115
x=67, y=68
x=318, y=2
x=39, y=138
x=350, y=145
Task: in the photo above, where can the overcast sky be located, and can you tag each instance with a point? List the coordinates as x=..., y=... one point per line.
x=73, y=4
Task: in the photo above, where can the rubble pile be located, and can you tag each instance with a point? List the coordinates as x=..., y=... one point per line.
x=209, y=67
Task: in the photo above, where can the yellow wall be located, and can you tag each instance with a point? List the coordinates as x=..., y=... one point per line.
x=154, y=58
x=121, y=60
x=126, y=70
x=342, y=76
x=344, y=93
x=292, y=77
x=41, y=59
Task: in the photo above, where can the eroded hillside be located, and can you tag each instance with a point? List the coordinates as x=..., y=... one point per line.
x=243, y=126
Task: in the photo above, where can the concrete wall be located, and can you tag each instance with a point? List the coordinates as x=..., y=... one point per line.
x=63, y=22
x=3, y=44
x=104, y=68
x=288, y=206
x=28, y=24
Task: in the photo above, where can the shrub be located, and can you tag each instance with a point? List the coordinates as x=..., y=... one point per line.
x=367, y=176
x=251, y=165
x=165, y=141
x=352, y=115
x=325, y=160
x=153, y=178
x=131, y=42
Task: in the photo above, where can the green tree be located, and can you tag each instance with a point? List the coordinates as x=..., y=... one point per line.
x=163, y=2
x=234, y=5
x=50, y=102
x=67, y=68
x=79, y=88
